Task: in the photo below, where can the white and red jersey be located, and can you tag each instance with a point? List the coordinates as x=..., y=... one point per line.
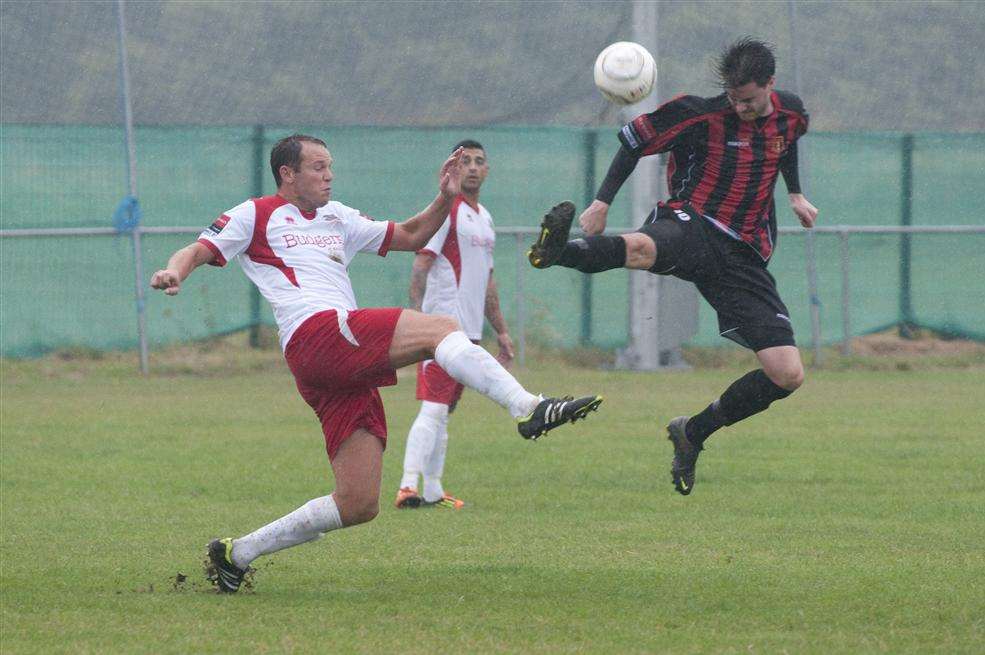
x=299, y=260
x=463, y=259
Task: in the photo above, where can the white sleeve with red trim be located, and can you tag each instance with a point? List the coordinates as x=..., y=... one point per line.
x=437, y=242
x=363, y=234
x=231, y=233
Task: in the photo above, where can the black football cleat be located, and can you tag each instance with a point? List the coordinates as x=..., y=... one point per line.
x=554, y=230
x=685, y=456
x=220, y=570
x=552, y=412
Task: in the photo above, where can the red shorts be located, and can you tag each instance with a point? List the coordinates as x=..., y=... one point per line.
x=338, y=378
x=435, y=385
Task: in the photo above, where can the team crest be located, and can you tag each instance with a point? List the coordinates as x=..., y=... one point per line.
x=776, y=144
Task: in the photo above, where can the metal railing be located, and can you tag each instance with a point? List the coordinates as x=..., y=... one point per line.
x=523, y=236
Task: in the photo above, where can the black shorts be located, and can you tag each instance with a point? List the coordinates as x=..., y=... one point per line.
x=729, y=274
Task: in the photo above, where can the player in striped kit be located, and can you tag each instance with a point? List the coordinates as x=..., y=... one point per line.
x=717, y=229
x=453, y=275
x=296, y=247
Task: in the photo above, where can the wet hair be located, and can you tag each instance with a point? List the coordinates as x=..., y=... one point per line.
x=746, y=60
x=468, y=143
x=287, y=152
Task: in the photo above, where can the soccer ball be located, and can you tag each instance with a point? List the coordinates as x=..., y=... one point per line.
x=625, y=72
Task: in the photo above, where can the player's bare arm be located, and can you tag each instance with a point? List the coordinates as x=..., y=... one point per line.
x=805, y=211
x=180, y=266
x=414, y=233
x=419, y=279
x=495, y=317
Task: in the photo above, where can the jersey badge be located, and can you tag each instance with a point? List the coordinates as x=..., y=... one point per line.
x=219, y=223
x=777, y=144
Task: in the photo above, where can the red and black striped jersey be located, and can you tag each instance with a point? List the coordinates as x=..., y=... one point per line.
x=724, y=167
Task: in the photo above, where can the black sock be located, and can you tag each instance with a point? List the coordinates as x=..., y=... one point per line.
x=701, y=426
x=594, y=254
x=750, y=394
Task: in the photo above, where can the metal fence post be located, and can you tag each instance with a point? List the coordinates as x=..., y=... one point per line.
x=138, y=262
x=258, y=169
x=907, y=323
x=520, y=300
x=846, y=321
x=591, y=142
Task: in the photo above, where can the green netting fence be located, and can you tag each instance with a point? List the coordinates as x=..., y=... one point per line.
x=63, y=291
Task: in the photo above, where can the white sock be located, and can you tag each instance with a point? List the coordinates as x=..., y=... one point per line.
x=421, y=439
x=434, y=466
x=477, y=369
x=304, y=524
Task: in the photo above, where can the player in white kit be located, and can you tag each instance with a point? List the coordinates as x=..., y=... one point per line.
x=452, y=275
x=296, y=247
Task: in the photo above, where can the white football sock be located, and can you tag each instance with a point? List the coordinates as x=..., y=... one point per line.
x=477, y=369
x=421, y=440
x=434, y=466
x=304, y=524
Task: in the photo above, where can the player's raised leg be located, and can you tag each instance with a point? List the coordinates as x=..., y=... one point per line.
x=424, y=336
x=591, y=254
x=358, y=470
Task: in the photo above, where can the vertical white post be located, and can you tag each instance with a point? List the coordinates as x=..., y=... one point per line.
x=132, y=185
x=643, y=350
x=810, y=256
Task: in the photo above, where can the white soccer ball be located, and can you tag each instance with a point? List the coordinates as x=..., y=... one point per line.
x=625, y=72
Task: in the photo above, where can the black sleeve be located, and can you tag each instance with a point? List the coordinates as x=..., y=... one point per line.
x=619, y=170
x=661, y=129
x=789, y=169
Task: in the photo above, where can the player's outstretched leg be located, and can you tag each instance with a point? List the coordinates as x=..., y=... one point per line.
x=427, y=336
x=477, y=369
x=593, y=254
x=553, y=238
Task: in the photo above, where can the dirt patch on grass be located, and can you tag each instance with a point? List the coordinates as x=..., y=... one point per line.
x=890, y=344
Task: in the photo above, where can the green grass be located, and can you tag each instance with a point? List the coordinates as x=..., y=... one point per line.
x=849, y=518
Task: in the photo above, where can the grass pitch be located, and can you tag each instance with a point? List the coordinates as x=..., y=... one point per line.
x=848, y=518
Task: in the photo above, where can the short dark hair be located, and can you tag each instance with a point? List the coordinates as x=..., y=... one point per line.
x=468, y=143
x=287, y=152
x=746, y=60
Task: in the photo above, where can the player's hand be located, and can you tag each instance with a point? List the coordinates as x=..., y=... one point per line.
x=592, y=220
x=805, y=211
x=168, y=280
x=506, y=351
x=450, y=176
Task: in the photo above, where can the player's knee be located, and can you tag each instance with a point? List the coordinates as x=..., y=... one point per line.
x=441, y=327
x=789, y=376
x=360, y=510
x=356, y=505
